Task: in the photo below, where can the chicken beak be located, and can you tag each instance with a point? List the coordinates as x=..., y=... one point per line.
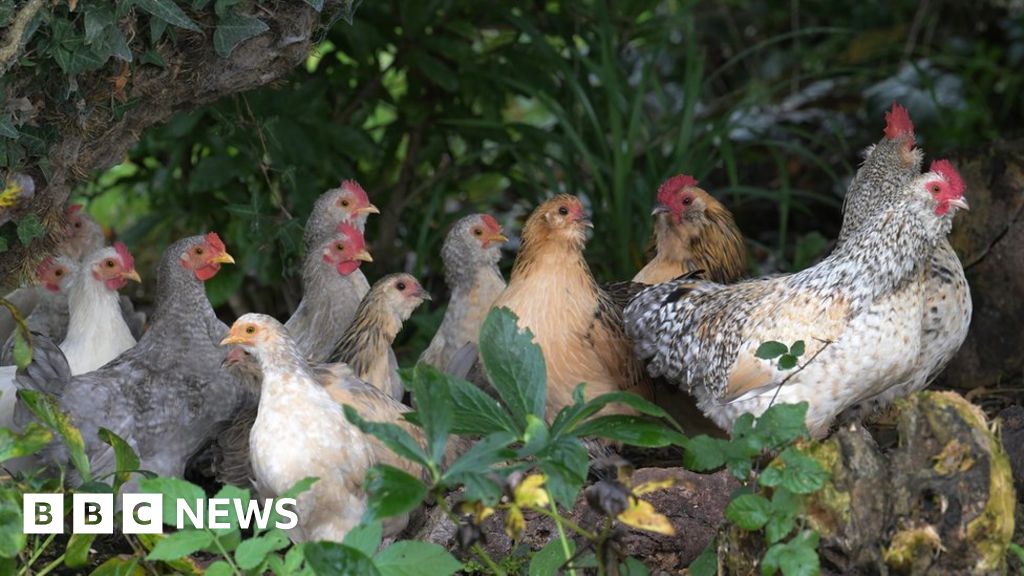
x=499, y=238
x=586, y=222
x=364, y=256
x=424, y=295
x=659, y=209
x=132, y=275
x=234, y=338
x=223, y=258
x=960, y=203
x=368, y=209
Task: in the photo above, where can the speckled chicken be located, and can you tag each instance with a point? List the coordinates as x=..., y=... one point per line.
x=168, y=395
x=858, y=312
x=574, y=321
x=301, y=431
x=888, y=165
x=471, y=253
x=693, y=231
x=366, y=345
x=346, y=203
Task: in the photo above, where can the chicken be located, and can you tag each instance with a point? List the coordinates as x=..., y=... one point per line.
x=97, y=332
x=301, y=431
x=50, y=313
x=575, y=323
x=333, y=286
x=693, y=231
x=346, y=203
x=168, y=395
x=471, y=252
x=858, y=313
x=366, y=345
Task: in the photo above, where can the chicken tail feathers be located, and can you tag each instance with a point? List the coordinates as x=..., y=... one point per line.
x=49, y=371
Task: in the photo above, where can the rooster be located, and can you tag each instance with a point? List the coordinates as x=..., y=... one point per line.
x=693, y=231
x=575, y=323
x=471, y=252
x=301, y=431
x=166, y=396
x=858, y=313
x=346, y=203
x=366, y=345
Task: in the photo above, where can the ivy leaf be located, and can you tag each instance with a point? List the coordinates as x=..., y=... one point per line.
x=392, y=492
x=771, y=349
x=7, y=129
x=514, y=364
x=179, y=544
x=748, y=511
x=411, y=558
x=235, y=28
x=168, y=11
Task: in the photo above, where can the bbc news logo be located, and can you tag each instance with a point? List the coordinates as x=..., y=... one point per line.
x=144, y=513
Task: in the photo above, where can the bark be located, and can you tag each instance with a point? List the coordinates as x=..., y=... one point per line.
x=93, y=139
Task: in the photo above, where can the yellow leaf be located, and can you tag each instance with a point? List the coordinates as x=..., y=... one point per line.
x=652, y=486
x=9, y=196
x=514, y=523
x=478, y=510
x=531, y=492
x=641, y=515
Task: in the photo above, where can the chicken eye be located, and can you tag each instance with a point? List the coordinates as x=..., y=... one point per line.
x=250, y=330
x=935, y=189
x=109, y=263
x=78, y=224
x=687, y=201
x=199, y=251
x=58, y=273
x=477, y=232
x=339, y=247
x=400, y=286
x=344, y=203
x=563, y=210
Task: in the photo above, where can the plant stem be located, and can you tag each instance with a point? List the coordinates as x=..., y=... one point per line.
x=561, y=533
x=35, y=555
x=559, y=520
x=486, y=559
x=51, y=566
x=227, y=557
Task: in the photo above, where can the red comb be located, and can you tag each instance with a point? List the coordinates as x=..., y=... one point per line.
x=45, y=265
x=127, y=260
x=354, y=187
x=673, y=185
x=897, y=122
x=353, y=235
x=72, y=209
x=950, y=174
x=215, y=242
x=490, y=222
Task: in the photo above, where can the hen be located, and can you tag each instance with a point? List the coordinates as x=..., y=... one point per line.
x=574, y=321
x=366, y=345
x=166, y=396
x=693, y=231
x=346, y=203
x=471, y=252
x=858, y=313
x=301, y=431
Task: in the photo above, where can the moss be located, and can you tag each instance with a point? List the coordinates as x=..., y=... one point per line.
x=955, y=457
x=828, y=510
x=907, y=545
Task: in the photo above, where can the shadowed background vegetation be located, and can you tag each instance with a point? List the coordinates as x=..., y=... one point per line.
x=444, y=107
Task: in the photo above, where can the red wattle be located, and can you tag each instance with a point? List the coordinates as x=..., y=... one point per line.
x=207, y=271
x=347, y=267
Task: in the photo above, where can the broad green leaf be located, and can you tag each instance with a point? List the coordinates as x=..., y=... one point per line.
x=7, y=129
x=179, y=544
x=787, y=362
x=366, y=537
x=172, y=490
x=45, y=408
x=392, y=492
x=12, y=539
x=393, y=436
x=632, y=430
x=119, y=566
x=233, y=29
x=797, y=349
x=126, y=461
x=97, y=20
x=477, y=413
x=251, y=552
x=411, y=558
x=535, y=437
x=485, y=452
x=704, y=453
x=436, y=71
x=168, y=11
x=783, y=423
x=550, y=559
x=30, y=440
x=333, y=559
x=633, y=567
x=219, y=568
x=801, y=474
x=433, y=407
x=771, y=349
x=479, y=487
x=707, y=563
x=570, y=416
x=565, y=462
x=22, y=348
x=748, y=511
x=514, y=364
x=798, y=557
x=76, y=554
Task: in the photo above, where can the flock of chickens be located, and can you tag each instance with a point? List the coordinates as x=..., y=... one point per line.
x=261, y=402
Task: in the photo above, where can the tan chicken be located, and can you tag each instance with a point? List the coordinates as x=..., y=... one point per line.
x=366, y=345
x=577, y=326
x=693, y=231
x=301, y=431
x=858, y=313
x=471, y=252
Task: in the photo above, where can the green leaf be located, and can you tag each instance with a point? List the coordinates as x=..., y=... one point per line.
x=22, y=349
x=179, y=544
x=45, y=408
x=550, y=559
x=480, y=487
x=317, y=5
x=534, y=437
x=703, y=453
x=798, y=557
x=571, y=416
x=172, y=490
x=410, y=558
x=514, y=364
x=485, y=452
x=392, y=492
x=126, y=461
x=235, y=28
x=787, y=362
x=392, y=435
x=12, y=539
x=477, y=413
x=1017, y=551
x=783, y=423
x=251, y=553
x=219, y=568
x=748, y=511
x=797, y=349
x=29, y=229
x=97, y=20
x=433, y=407
x=632, y=430
x=436, y=71
x=30, y=440
x=633, y=567
x=333, y=559
x=771, y=349
x=7, y=129
x=565, y=463
x=76, y=554
x=707, y=563
x=785, y=507
x=801, y=474
x=168, y=11
x=119, y=566
x=366, y=537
